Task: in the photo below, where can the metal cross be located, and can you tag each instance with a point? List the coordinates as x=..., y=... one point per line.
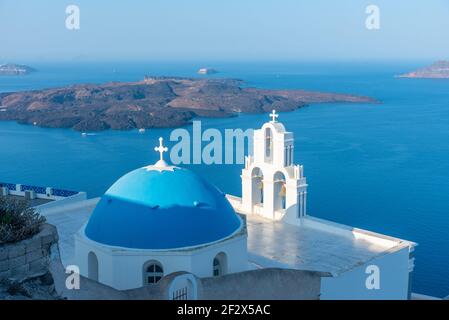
x=161, y=149
x=274, y=116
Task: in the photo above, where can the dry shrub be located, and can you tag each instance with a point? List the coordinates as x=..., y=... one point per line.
x=18, y=221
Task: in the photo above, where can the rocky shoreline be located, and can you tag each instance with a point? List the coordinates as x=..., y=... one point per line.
x=151, y=103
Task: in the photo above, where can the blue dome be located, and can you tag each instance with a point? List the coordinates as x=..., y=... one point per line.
x=162, y=209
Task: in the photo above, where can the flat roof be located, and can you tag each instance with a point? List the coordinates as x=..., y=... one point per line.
x=316, y=245
x=68, y=222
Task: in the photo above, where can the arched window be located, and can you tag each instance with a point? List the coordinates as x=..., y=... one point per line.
x=280, y=191
x=288, y=155
x=268, y=145
x=286, y=164
x=257, y=186
x=92, y=265
x=290, y=160
x=153, y=272
x=219, y=265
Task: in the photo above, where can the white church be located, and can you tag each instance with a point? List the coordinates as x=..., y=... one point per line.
x=163, y=232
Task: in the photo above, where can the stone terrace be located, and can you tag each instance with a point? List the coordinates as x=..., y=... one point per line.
x=27, y=258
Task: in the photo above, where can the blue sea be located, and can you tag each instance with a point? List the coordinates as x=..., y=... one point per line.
x=383, y=167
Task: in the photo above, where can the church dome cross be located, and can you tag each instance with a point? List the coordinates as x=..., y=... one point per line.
x=273, y=116
x=161, y=149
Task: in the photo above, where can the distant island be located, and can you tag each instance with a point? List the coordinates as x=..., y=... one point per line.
x=438, y=70
x=153, y=102
x=15, y=69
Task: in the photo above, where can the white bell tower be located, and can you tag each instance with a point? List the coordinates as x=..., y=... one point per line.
x=272, y=186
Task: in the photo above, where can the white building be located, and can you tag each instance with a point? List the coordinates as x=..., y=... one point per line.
x=361, y=264
x=160, y=220
x=272, y=185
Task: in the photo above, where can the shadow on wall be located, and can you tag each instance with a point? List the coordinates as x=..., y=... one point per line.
x=261, y=284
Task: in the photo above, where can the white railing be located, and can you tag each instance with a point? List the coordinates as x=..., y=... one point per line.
x=39, y=192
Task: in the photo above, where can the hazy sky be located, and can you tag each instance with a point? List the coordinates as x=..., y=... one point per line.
x=223, y=29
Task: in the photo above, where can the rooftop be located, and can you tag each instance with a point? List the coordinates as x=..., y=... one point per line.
x=316, y=245
x=68, y=221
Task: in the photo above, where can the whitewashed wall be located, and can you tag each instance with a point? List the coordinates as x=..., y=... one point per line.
x=122, y=269
x=351, y=285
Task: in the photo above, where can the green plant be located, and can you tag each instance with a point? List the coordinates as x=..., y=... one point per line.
x=18, y=220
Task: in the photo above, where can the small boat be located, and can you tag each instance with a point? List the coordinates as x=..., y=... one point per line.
x=142, y=130
x=84, y=134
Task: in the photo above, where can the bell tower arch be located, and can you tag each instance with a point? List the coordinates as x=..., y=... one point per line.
x=272, y=185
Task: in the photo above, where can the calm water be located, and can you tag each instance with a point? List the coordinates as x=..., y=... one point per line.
x=381, y=167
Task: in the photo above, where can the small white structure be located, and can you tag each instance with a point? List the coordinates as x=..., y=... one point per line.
x=159, y=220
x=272, y=186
